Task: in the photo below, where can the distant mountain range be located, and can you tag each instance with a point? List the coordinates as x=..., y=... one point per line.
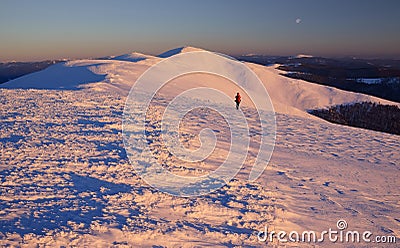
x=376, y=77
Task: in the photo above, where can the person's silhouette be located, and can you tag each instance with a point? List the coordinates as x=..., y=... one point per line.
x=238, y=99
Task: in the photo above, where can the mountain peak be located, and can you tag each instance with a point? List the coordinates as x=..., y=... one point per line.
x=132, y=57
x=178, y=50
x=301, y=56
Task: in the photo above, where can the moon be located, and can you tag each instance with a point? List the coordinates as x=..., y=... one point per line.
x=298, y=20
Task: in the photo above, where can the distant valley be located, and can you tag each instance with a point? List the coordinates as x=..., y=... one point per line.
x=376, y=77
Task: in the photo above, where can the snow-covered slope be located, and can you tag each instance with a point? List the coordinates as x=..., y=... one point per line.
x=136, y=57
x=65, y=179
x=106, y=75
x=179, y=50
x=65, y=75
x=289, y=96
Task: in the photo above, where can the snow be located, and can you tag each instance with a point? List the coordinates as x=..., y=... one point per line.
x=135, y=57
x=100, y=75
x=179, y=50
x=370, y=80
x=65, y=75
x=289, y=96
x=375, y=80
x=65, y=178
x=301, y=56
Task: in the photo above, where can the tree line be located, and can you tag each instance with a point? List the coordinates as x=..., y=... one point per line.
x=368, y=115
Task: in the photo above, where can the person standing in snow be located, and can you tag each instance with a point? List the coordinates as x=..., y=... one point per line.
x=238, y=99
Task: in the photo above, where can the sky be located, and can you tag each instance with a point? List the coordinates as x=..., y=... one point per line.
x=54, y=29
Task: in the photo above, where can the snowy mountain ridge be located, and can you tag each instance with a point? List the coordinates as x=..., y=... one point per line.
x=118, y=73
x=66, y=180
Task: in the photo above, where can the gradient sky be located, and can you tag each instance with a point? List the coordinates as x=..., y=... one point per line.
x=50, y=29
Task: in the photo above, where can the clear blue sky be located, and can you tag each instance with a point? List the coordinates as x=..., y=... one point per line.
x=41, y=29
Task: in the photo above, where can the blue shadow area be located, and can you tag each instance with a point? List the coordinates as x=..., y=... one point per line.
x=85, y=202
x=56, y=77
x=171, y=52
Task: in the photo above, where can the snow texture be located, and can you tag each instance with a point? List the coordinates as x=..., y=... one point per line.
x=65, y=178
